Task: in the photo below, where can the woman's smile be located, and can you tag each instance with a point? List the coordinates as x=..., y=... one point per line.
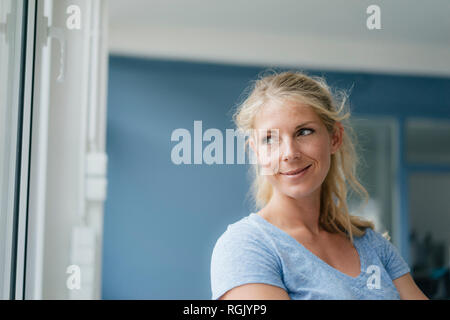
x=295, y=174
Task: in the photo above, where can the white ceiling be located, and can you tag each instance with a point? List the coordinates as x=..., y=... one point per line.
x=415, y=35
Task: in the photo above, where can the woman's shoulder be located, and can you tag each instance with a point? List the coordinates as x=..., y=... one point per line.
x=241, y=235
x=238, y=231
x=243, y=244
x=379, y=242
x=375, y=237
x=242, y=256
x=387, y=252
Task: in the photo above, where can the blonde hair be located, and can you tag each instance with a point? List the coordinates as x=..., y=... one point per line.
x=314, y=92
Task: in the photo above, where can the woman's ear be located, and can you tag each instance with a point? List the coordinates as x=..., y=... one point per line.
x=336, y=140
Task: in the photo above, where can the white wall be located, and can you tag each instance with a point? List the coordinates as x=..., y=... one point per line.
x=319, y=34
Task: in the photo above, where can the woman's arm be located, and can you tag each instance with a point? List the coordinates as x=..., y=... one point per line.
x=408, y=289
x=405, y=284
x=256, y=291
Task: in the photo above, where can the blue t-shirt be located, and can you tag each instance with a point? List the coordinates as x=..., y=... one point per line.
x=252, y=250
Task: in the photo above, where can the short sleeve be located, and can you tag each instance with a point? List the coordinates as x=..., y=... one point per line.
x=239, y=257
x=393, y=262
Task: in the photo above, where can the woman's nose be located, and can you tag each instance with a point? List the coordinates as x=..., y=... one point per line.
x=289, y=150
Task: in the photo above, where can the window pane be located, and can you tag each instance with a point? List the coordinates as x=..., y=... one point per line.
x=375, y=147
x=428, y=141
x=429, y=231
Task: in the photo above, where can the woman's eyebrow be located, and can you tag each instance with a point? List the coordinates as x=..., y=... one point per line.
x=269, y=131
x=304, y=123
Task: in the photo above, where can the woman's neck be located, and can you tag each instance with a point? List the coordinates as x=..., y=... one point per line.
x=289, y=213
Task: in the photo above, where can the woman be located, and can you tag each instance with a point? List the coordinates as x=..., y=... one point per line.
x=303, y=243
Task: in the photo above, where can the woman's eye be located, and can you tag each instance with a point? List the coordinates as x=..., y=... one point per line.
x=267, y=140
x=303, y=130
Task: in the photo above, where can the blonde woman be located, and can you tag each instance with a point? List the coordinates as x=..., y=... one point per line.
x=303, y=243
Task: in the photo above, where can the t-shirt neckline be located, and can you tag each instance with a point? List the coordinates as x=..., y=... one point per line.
x=356, y=243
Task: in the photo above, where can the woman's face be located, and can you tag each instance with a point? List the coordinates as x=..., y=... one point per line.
x=300, y=140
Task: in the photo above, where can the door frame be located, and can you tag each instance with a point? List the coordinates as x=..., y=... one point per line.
x=17, y=291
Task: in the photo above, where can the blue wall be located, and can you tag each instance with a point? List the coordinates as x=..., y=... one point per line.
x=162, y=220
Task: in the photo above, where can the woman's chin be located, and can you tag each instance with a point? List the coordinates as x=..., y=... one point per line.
x=296, y=193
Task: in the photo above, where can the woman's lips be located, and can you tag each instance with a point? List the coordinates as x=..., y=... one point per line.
x=296, y=173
